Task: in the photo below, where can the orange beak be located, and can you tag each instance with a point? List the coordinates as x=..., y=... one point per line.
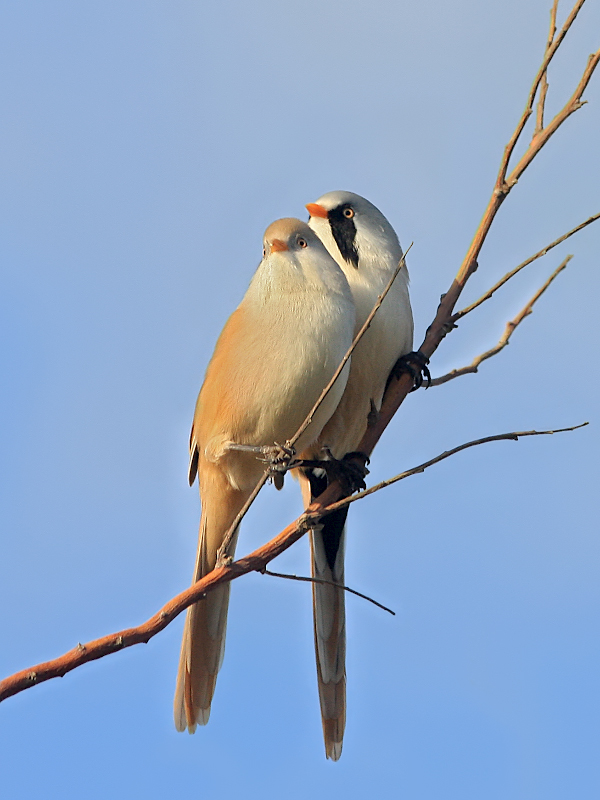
x=277, y=246
x=315, y=210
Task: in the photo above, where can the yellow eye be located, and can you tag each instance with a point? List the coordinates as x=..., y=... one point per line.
x=301, y=242
x=348, y=213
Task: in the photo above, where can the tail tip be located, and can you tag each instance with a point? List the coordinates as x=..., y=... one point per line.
x=182, y=722
x=333, y=750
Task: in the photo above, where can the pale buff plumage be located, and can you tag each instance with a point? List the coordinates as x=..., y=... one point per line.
x=276, y=353
x=368, y=268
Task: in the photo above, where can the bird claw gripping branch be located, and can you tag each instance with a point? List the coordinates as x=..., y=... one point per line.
x=346, y=470
x=279, y=458
x=415, y=364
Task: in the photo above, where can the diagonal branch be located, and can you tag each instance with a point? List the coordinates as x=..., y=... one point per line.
x=508, y=332
x=443, y=322
x=459, y=314
x=500, y=437
x=254, y=562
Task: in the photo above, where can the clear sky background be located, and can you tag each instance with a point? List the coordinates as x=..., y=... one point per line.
x=144, y=148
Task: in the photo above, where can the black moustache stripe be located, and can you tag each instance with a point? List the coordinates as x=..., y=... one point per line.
x=344, y=233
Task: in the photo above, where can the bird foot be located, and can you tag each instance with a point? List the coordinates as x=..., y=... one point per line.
x=278, y=457
x=346, y=470
x=415, y=364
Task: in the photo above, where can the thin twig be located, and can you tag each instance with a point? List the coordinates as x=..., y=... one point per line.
x=357, y=338
x=223, y=556
x=508, y=332
x=327, y=583
x=254, y=562
x=548, y=56
x=513, y=436
x=539, y=124
x=459, y=314
x=573, y=104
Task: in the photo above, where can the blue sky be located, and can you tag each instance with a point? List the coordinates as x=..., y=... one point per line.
x=144, y=148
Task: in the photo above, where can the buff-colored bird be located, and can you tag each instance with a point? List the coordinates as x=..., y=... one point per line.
x=366, y=247
x=277, y=352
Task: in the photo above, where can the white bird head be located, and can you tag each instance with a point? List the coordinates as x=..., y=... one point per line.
x=354, y=231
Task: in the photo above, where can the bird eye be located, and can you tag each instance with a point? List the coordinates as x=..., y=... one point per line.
x=264, y=252
x=348, y=213
x=301, y=242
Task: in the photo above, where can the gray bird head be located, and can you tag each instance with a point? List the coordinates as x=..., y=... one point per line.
x=293, y=252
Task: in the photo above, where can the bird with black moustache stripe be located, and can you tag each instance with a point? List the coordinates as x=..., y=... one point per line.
x=366, y=247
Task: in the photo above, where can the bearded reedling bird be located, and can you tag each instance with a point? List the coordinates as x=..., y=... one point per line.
x=275, y=355
x=366, y=247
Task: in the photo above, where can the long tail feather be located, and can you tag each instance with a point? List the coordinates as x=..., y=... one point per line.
x=203, y=644
x=329, y=619
x=202, y=651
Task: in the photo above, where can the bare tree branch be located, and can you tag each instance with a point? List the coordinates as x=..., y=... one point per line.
x=254, y=562
x=459, y=314
x=397, y=391
x=443, y=322
x=508, y=332
x=305, y=579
